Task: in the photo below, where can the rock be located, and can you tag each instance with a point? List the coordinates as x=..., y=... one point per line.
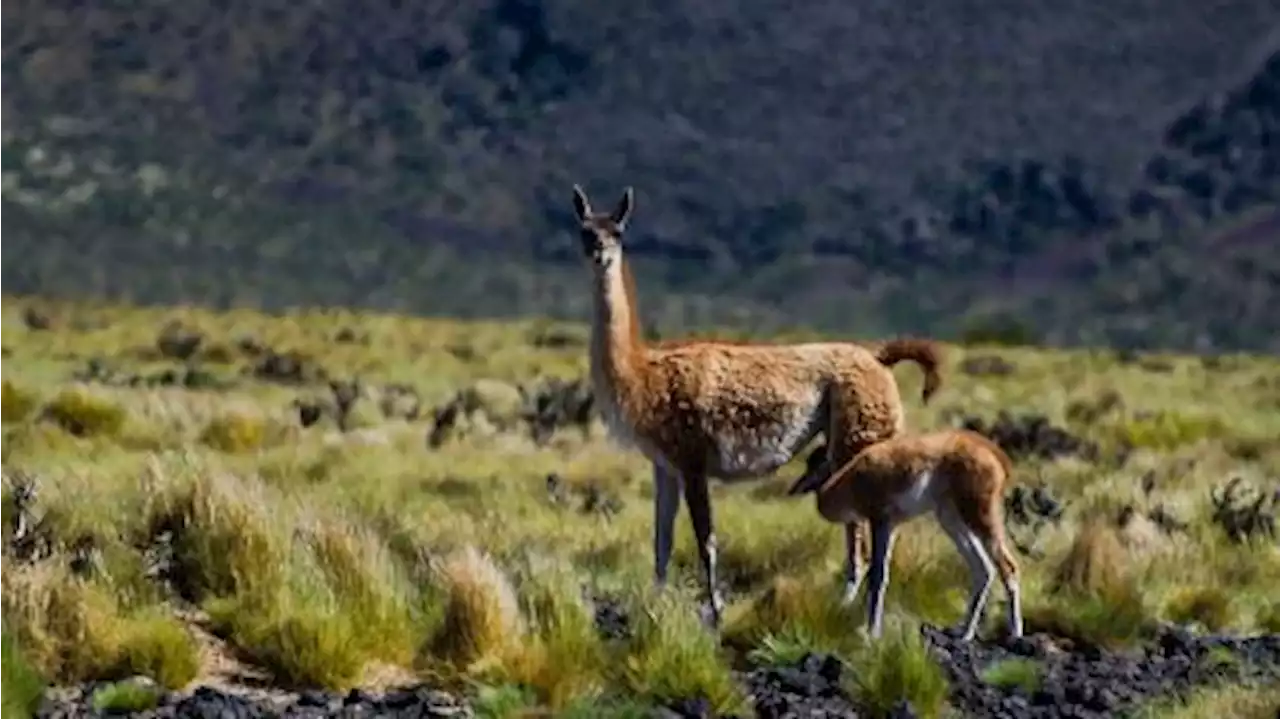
x=213, y=703
x=1031, y=435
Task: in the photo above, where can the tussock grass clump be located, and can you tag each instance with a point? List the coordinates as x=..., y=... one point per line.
x=234, y=433
x=16, y=404
x=1096, y=563
x=790, y=617
x=1094, y=594
x=263, y=592
x=563, y=661
x=311, y=612
x=301, y=638
x=68, y=628
x=225, y=539
x=23, y=687
x=482, y=621
x=83, y=414
x=672, y=656
x=369, y=589
x=158, y=646
x=75, y=630
x=1024, y=674
x=1211, y=607
x=898, y=667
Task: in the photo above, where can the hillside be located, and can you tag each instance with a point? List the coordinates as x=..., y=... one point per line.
x=1077, y=174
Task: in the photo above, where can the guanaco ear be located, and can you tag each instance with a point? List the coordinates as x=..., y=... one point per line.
x=815, y=472
x=622, y=212
x=581, y=204
x=808, y=482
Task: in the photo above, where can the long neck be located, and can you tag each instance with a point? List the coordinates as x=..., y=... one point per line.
x=615, y=331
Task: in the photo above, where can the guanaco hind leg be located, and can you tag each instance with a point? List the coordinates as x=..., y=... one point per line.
x=996, y=544
x=697, y=496
x=981, y=571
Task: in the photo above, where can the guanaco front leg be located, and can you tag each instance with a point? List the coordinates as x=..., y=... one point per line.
x=697, y=496
x=666, y=505
x=881, y=550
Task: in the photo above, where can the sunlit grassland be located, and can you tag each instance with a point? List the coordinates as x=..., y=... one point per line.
x=337, y=559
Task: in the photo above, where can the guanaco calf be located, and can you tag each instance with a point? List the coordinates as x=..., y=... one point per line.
x=733, y=411
x=957, y=475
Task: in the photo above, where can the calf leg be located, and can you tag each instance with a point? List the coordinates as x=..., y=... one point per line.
x=981, y=571
x=881, y=549
x=997, y=546
x=854, y=537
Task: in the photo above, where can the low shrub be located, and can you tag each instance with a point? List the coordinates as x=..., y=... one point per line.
x=85, y=415
x=16, y=404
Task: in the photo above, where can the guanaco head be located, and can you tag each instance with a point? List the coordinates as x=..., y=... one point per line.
x=816, y=472
x=601, y=234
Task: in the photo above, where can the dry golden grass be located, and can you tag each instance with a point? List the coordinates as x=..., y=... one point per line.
x=322, y=555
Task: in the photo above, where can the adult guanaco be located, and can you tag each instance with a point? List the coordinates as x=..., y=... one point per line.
x=732, y=411
x=957, y=475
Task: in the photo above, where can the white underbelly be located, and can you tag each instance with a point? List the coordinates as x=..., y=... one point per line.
x=757, y=456
x=918, y=498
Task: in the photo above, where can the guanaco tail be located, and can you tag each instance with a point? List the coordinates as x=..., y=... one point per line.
x=958, y=475
x=725, y=410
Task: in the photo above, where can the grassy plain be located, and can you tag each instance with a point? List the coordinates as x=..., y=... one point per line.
x=194, y=531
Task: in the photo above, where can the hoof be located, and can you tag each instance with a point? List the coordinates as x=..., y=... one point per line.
x=710, y=616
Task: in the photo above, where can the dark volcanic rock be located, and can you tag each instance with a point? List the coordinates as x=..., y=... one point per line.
x=211, y=703
x=1031, y=435
x=809, y=689
x=1083, y=684
x=1099, y=683
x=611, y=618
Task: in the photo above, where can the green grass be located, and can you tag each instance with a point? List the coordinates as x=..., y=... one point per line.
x=334, y=559
x=23, y=685
x=125, y=697
x=1024, y=674
x=897, y=668
x=1250, y=701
